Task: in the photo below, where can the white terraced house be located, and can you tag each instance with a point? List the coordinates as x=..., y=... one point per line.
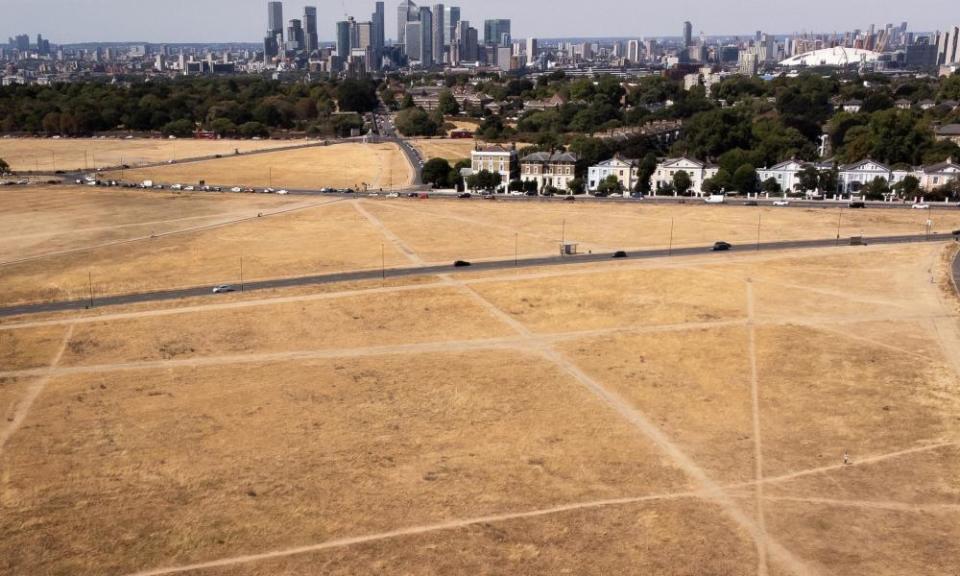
x=854, y=176
x=627, y=172
x=698, y=172
x=937, y=175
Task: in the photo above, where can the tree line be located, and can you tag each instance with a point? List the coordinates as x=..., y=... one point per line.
x=238, y=106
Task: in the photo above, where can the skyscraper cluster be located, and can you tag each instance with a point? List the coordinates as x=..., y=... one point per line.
x=427, y=36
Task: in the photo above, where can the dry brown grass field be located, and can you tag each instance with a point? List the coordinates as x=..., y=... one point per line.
x=350, y=165
x=48, y=154
x=673, y=416
x=451, y=150
x=626, y=418
x=57, y=241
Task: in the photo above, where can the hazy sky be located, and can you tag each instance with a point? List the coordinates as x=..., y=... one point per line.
x=66, y=21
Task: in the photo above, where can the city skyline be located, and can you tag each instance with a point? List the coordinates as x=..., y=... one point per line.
x=225, y=21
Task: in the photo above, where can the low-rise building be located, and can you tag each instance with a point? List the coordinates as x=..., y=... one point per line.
x=627, y=172
x=949, y=133
x=495, y=158
x=698, y=172
x=852, y=106
x=786, y=174
x=936, y=175
x=853, y=177
x=547, y=169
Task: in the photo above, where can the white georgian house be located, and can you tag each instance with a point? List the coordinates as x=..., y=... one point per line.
x=698, y=172
x=626, y=171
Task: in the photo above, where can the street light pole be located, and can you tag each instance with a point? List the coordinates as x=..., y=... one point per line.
x=670, y=250
x=759, y=221
x=839, y=220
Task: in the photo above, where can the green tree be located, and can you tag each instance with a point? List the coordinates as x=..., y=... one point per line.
x=828, y=180
x=253, y=130
x=876, y=189
x=645, y=171
x=576, y=186
x=223, y=127
x=808, y=179
x=745, y=180
x=447, y=104
x=179, y=128
x=416, y=122
x=357, y=96
x=711, y=186
x=609, y=185
x=407, y=101
x=771, y=186
x=909, y=187
x=682, y=182
x=436, y=172
x=4, y=167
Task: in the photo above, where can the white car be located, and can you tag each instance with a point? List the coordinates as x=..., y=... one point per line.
x=282, y=192
x=516, y=193
x=176, y=187
x=223, y=289
x=393, y=195
x=781, y=203
x=189, y=189
x=921, y=206
x=236, y=189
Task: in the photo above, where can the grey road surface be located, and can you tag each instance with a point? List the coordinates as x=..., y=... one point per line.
x=176, y=294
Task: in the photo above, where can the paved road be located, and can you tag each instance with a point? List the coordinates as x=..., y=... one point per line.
x=956, y=271
x=177, y=294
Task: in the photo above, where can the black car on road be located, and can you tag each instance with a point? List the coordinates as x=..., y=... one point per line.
x=722, y=246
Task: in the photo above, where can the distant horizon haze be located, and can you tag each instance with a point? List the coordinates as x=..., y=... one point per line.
x=245, y=21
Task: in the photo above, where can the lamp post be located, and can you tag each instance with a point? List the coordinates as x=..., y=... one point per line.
x=839, y=220
x=670, y=249
x=759, y=222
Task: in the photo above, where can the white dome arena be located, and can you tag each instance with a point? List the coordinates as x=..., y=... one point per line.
x=837, y=56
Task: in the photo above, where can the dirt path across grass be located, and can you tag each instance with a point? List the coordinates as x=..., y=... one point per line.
x=33, y=392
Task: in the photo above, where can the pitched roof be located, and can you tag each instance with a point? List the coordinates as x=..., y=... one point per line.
x=546, y=157
x=856, y=165
x=696, y=163
x=619, y=162
x=942, y=167
x=949, y=130
x=786, y=163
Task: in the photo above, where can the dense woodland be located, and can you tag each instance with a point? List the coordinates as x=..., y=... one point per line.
x=244, y=107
